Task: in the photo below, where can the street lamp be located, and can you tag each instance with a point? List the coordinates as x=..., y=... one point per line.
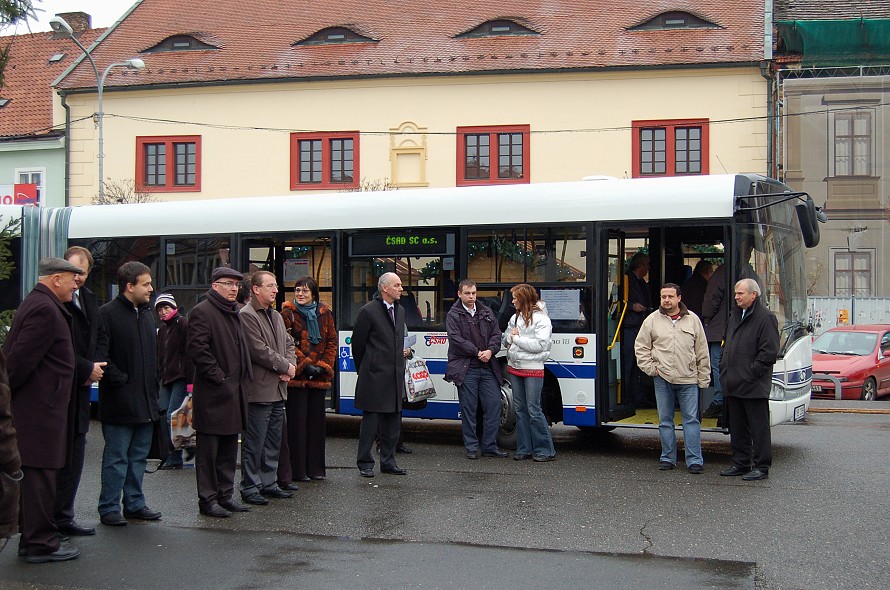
x=59, y=25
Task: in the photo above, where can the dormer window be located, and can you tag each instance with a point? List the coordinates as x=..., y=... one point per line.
x=335, y=36
x=497, y=28
x=3, y=102
x=180, y=43
x=56, y=57
x=674, y=20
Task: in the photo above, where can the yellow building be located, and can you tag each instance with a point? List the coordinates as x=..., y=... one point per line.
x=263, y=98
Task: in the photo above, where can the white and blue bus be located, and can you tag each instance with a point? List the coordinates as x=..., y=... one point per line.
x=570, y=240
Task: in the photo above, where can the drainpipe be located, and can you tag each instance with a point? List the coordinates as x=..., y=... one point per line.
x=767, y=73
x=67, y=145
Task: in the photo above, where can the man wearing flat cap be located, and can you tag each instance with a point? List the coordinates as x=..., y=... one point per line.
x=219, y=352
x=40, y=359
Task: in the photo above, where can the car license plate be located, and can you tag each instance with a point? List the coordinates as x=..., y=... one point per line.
x=799, y=412
x=817, y=388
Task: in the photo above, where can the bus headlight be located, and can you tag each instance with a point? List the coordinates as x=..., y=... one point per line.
x=777, y=392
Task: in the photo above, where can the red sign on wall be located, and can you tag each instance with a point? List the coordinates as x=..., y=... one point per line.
x=18, y=194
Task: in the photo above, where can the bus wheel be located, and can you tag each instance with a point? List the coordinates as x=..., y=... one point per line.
x=507, y=431
x=869, y=388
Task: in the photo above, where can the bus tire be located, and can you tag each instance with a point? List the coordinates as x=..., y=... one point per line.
x=507, y=430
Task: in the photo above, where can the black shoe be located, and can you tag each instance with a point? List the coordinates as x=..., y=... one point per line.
x=72, y=529
x=290, y=487
x=734, y=471
x=518, y=457
x=713, y=411
x=144, y=513
x=472, y=454
x=304, y=478
x=217, y=511
x=665, y=466
x=276, y=492
x=317, y=477
x=543, y=458
x=232, y=506
x=403, y=449
x=495, y=453
x=255, y=498
x=63, y=553
x=166, y=467
x=756, y=474
x=696, y=469
x=394, y=471
x=113, y=519
x=366, y=472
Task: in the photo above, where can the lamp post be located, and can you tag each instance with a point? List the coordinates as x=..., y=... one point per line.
x=59, y=25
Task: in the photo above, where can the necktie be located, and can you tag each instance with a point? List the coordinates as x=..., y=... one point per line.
x=75, y=299
x=743, y=313
x=392, y=316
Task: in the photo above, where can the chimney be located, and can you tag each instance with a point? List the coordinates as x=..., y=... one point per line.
x=79, y=21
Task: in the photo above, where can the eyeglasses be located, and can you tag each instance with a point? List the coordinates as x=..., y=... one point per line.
x=302, y=290
x=226, y=284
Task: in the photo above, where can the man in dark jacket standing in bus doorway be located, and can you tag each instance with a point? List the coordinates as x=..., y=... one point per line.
x=474, y=337
x=40, y=360
x=220, y=355
x=746, y=372
x=378, y=347
x=128, y=395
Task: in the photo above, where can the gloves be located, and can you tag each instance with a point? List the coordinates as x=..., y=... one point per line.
x=312, y=371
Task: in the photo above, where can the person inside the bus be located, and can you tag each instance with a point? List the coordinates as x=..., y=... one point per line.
x=714, y=319
x=695, y=286
x=672, y=349
x=639, y=305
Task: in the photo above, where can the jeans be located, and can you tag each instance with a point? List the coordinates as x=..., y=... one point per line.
x=480, y=384
x=172, y=396
x=532, y=431
x=123, y=466
x=716, y=354
x=666, y=395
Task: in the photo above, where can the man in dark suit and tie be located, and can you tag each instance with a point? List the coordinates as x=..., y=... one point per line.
x=40, y=355
x=378, y=347
x=84, y=312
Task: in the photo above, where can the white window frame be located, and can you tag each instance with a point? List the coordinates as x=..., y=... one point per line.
x=41, y=186
x=832, y=141
x=872, y=254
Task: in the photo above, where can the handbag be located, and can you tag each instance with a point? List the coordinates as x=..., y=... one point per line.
x=418, y=382
x=161, y=445
x=184, y=436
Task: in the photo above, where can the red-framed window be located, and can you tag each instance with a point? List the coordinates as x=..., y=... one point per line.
x=324, y=160
x=168, y=163
x=493, y=155
x=670, y=148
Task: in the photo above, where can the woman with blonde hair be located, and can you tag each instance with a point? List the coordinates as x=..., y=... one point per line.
x=527, y=340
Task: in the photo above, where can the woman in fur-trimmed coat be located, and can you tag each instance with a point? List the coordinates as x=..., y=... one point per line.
x=311, y=324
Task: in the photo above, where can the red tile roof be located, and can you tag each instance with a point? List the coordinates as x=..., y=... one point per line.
x=28, y=76
x=830, y=9
x=413, y=37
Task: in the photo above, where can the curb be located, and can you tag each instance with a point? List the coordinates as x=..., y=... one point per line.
x=813, y=410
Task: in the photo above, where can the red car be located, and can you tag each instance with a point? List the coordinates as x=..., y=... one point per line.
x=858, y=357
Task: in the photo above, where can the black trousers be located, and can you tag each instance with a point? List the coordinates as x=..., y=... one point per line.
x=39, y=534
x=216, y=456
x=749, y=432
x=389, y=425
x=68, y=481
x=303, y=445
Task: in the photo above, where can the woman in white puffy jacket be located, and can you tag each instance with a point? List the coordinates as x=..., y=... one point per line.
x=527, y=340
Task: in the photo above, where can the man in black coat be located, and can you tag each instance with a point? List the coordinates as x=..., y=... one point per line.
x=40, y=355
x=378, y=347
x=639, y=306
x=128, y=395
x=746, y=373
x=219, y=352
x=84, y=312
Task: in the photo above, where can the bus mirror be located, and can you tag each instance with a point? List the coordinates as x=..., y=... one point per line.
x=809, y=221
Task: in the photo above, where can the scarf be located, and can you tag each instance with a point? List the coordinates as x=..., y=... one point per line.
x=230, y=310
x=310, y=312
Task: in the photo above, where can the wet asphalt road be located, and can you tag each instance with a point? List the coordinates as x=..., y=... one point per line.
x=601, y=516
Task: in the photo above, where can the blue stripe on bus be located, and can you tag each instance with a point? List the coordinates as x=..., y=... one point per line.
x=572, y=417
x=560, y=370
x=433, y=409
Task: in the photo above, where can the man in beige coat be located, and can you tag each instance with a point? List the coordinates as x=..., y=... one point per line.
x=672, y=349
x=274, y=363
